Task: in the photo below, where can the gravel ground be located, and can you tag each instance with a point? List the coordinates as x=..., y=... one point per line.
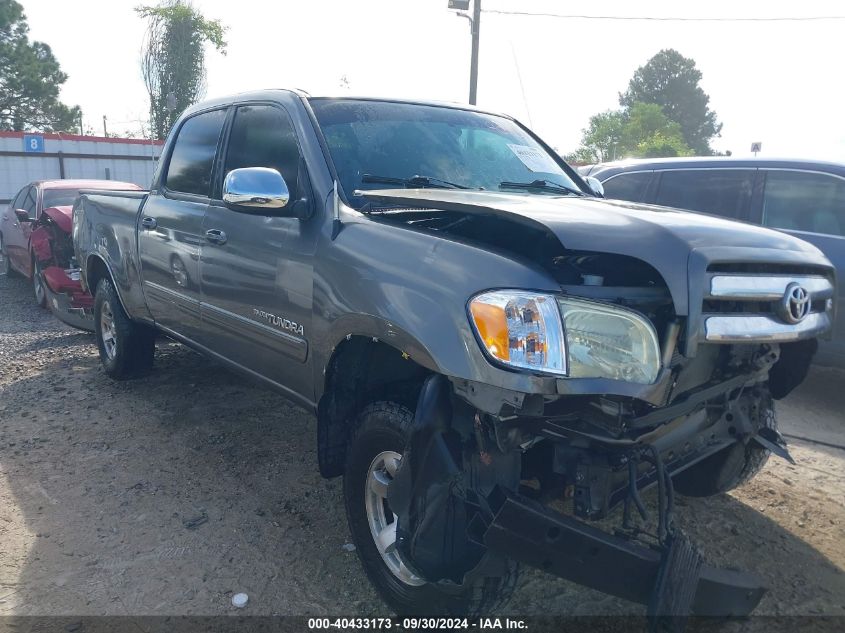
x=168, y=494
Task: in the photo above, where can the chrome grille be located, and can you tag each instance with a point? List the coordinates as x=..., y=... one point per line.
x=763, y=307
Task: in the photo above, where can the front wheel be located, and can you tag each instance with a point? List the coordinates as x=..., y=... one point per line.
x=126, y=348
x=373, y=457
x=38, y=284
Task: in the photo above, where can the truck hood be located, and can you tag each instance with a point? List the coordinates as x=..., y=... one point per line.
x=667, y=239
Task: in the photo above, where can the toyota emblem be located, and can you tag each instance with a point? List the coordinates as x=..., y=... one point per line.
x=795, y=305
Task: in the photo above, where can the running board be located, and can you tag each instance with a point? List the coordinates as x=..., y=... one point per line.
x=571, y=549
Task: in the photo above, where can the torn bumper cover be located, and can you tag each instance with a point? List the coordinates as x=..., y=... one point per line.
x=565, y=547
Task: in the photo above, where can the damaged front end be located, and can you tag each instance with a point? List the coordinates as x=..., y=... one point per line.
x=52, y=249
x=655, y=358
x=466, y=495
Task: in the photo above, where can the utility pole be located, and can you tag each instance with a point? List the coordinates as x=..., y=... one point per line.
x=81, y=129
x=475, y=28
x=476, y=34
x=105, y=130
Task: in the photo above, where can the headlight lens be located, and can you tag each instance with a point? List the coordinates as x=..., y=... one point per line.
x=526, y=330
x=608, y=342
x=520, y=329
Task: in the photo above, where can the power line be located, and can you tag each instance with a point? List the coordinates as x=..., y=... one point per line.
x=809, y=18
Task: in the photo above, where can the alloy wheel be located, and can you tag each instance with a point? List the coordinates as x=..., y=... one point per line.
x=381, y=519
x=108, y=330
x=38, y=284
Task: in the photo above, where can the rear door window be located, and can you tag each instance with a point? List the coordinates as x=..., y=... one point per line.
x=725, y=192
x=630, y=186
x=192, y=159
x=804, y=201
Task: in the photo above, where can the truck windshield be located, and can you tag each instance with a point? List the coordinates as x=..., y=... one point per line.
x=378, y=145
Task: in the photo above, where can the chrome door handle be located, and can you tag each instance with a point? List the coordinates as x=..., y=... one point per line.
x=215, y=236
x=149, y=223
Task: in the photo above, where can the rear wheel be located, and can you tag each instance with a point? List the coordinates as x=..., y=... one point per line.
x=374, y=455
x=126, y=348
x=38, y=284
x=732, y=466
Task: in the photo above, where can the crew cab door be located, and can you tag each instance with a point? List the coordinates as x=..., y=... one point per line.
x=170, y=226
x=257, y=267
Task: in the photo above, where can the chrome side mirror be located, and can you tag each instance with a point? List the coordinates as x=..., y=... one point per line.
x=595, y=185
x=23, y=216
x=255, y=188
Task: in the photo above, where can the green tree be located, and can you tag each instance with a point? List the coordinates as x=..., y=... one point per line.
x=173, y=58
x=671, y=81
x=601, y=140
x=648, y=133
x=641, y=131
x=30, y=79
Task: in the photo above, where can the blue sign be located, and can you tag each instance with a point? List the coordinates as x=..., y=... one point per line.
x=33, y=143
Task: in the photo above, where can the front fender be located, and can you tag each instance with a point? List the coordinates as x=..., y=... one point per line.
x=410, y=290
x=39, y=244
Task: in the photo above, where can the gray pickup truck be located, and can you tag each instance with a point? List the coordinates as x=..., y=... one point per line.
x=496, y=356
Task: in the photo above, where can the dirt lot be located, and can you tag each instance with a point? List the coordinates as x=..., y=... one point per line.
x=167, y=494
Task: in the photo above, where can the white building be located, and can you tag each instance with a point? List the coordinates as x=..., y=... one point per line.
x=25, y=157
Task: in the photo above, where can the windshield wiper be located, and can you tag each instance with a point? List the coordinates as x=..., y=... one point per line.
x=540, y=185
x=414, y=181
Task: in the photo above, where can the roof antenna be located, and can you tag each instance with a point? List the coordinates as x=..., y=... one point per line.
x=336, y=224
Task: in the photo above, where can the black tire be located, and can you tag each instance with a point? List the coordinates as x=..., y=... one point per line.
x=729, y=468
x=38, y=285
x=383, y=426
x=126, y=348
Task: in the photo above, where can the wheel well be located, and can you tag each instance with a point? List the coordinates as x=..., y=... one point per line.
x=94, y=272
x=361, y=370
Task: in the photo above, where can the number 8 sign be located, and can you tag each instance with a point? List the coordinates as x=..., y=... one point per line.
x=33, y=143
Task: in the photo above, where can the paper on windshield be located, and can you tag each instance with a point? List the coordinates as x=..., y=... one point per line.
x=534, y=158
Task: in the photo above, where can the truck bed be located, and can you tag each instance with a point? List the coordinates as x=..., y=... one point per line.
x=105, y=233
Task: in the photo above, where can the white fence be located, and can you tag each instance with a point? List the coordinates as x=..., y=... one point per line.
x=25, y=157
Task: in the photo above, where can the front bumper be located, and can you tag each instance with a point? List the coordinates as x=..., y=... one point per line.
x=67, y=300
x=565, y=547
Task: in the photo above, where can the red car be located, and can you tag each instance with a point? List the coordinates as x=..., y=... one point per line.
x=35, y=241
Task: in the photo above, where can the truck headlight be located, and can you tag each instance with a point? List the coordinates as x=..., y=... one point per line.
x=604, y=341
x=520, y=329
x=570, y=337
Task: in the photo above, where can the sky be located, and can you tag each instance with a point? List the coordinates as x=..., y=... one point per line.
x=779, y=83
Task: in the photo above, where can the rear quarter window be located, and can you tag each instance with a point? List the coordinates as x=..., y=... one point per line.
x=804, y=201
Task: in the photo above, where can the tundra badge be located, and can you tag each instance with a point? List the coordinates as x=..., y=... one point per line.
x=279, y=322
